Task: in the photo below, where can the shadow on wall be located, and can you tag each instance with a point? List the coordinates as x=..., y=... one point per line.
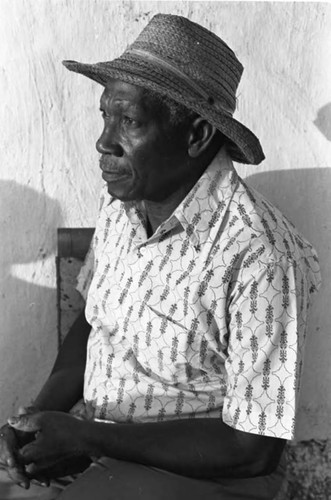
x=323, y=121
x=28, y=222
x=304, y=197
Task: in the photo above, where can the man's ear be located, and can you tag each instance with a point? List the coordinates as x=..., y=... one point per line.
x=200, y=136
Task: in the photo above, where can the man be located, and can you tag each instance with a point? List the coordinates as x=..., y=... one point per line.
x=197, y=292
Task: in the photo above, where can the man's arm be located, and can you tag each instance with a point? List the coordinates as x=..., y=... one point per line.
x=200, y=448
x=62, y=390
x=64, y=386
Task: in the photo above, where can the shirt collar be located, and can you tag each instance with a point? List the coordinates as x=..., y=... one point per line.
x=202, y=210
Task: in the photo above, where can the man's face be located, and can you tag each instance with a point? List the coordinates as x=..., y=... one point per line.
x=142, y=156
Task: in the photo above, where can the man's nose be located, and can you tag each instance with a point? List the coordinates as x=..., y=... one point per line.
x=108, y=142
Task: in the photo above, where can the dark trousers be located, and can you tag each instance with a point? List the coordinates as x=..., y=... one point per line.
x=110, y=479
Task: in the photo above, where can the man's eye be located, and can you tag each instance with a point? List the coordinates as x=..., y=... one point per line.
x=131, y=122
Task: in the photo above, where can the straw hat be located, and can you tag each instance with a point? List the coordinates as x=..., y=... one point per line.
x=180, y=59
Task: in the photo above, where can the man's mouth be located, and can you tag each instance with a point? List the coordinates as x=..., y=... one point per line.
x=112, y=173
x=114, y=176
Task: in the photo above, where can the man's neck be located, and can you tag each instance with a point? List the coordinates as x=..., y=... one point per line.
x=159, y=211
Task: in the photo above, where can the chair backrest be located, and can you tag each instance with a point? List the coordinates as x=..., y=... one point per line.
x=73, y=244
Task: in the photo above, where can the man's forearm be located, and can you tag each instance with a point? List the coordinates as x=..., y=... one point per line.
x=61, y=391
x=64, y=387
x=201, y=448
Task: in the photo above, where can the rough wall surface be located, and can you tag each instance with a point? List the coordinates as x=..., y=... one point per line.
x=49, y=173
x=308, y=471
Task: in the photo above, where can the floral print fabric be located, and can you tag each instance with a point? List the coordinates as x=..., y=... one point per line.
x=206, y=318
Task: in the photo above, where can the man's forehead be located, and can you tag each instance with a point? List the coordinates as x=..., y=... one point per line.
x=120, y=90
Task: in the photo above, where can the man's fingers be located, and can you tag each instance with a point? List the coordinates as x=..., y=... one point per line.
x=11, y=462
x=7, y=459
x=7, y=447
x=41, y=481
x=38, y=474
x=18, y=476
x=26, y=423
x=34, y=453
x=39, y=471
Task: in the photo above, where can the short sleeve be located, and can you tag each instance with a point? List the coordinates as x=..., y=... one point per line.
x=267, y=325
x=86, y=273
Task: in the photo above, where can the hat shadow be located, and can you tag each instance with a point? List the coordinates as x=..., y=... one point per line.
x=28, y=221
x=323, y=120
x=303, y=196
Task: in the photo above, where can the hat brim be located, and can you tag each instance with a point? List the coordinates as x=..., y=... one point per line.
x=245, y=146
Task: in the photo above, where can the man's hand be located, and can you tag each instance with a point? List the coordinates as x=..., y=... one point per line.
x=10, y=442
x=8, y=457
x=58, y=437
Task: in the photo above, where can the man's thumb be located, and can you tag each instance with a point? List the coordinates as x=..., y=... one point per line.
x=27, y=410
x=26, y=423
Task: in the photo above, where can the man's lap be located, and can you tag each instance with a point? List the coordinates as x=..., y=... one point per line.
x=10, y=491
x=126, y=480
x=109, y=478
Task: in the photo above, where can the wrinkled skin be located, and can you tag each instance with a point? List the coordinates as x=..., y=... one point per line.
x=56, y=444
x=142, y=156
x=42, y=446
x=10, y=443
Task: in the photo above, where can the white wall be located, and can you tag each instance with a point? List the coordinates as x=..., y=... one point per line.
x=49, y=174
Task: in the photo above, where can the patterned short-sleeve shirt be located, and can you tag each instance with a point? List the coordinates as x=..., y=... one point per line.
x=205, y=318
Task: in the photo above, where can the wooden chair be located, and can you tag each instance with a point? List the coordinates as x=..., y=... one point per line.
x=73, y=244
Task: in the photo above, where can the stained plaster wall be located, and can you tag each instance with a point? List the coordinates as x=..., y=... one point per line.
x=49, y=173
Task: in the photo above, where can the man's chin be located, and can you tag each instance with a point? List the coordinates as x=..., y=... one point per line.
x=121, y=195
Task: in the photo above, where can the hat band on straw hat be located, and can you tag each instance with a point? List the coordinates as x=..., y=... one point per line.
x=153, y=59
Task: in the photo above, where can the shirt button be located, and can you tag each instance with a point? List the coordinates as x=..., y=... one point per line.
x=141, y=251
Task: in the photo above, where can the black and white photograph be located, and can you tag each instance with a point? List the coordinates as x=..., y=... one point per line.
x=165, y=250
